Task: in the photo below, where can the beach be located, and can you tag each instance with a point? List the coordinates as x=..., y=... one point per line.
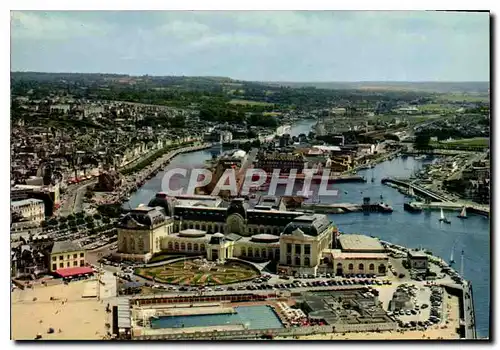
x=70, y=315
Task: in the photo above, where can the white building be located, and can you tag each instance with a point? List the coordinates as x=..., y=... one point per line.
x=30, y=209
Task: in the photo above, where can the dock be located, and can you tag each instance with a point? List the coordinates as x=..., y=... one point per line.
x=344, y=208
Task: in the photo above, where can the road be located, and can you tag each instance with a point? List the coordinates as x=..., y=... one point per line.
x=72, y=199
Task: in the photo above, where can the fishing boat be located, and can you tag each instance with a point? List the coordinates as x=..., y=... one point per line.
x=443, y=218
x=463, y=214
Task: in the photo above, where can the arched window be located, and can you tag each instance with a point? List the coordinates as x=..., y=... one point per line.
x=170, y=246
x=132, y=244
x=269, y=231
x=190, y=246
x=191, y=225
x=351, y=267
x=307, y=261
x=339, y=266
x=297, y=260
x=176, y=246
x=195, y=247
x=289, y=260
x=204, y=227
x=250, y=252
x=197, y=226
x=276, y=231
x=256, y=252
x=372, y=267
x=183, y=246
x=255, y=231
x=270, y=254
x=202, y=247
x=381, y=268
x=244, y=251
x=361, y=267
x=209, y=230
x=264, y=253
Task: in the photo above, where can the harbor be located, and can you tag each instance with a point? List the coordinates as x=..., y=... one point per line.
x=400, y=227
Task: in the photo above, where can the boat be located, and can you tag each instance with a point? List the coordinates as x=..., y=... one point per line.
x=463, y=214
x=452, y=261
x=443, y=218
x=411, y=193
x=410, y=207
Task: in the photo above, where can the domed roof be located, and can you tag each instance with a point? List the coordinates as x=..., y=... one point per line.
x=162, y=200
x=192, y=233
x=217, y=238
x=312, y=225
x=265, y=238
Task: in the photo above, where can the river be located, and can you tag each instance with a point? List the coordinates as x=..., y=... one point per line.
x=407, y=229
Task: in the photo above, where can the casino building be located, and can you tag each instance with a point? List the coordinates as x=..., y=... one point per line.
x=218, y=230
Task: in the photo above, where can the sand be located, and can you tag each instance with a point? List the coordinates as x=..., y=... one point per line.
x=76, y=317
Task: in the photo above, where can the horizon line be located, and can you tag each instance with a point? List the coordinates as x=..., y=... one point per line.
x=259, y=81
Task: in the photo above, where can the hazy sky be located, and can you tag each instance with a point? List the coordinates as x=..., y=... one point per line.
x=270, y=46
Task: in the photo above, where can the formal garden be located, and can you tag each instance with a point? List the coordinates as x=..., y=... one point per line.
x=198, y=272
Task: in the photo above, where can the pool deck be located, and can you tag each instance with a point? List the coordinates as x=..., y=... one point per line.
x=160, y=331
x=195, y=311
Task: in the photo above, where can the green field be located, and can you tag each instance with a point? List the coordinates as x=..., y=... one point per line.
x=473, y=142
x=456, y=97
x=186, y=272
x=249, y=102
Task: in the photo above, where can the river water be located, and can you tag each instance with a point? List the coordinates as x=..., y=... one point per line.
x=401, y=227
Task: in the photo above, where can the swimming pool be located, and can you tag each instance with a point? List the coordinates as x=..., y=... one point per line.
x=253, y=317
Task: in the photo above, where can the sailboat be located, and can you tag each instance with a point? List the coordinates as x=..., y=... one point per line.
x=452, y=261
x=463, y=214
x=443, y=218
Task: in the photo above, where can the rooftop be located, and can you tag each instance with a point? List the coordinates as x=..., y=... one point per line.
x=65, y=246
x=359, y=242
x=24, y=202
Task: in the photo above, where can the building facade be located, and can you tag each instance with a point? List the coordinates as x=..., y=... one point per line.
x=298, y=243
x=30, y=209
x=66, y=254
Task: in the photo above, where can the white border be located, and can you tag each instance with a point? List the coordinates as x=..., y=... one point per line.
x=190, y=5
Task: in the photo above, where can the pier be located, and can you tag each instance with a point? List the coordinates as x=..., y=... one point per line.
x=344, y=208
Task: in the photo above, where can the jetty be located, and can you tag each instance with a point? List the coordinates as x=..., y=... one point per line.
x=344, y=208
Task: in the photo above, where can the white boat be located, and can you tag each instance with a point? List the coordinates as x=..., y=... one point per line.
x=463, y=213
x=410, y=192
x=443, y=218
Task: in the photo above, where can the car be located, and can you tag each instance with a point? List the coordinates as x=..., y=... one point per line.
x=413, y=312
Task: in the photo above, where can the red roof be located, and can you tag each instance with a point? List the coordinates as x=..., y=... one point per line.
x=74, y=271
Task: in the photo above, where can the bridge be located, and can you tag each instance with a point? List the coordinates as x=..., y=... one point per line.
x=416, y=189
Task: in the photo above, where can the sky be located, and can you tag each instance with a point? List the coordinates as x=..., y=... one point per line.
x=303, y=46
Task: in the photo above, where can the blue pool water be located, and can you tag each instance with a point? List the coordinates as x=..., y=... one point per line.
x=254, y=317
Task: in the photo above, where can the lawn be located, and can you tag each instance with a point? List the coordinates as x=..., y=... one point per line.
x=249, y=102
x=472, y=142
x=188, y=272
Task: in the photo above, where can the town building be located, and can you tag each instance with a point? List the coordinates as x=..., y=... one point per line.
x=285, y=162
x=30, y=209
x=262, y=232
x=65, y=255
x=417, y=260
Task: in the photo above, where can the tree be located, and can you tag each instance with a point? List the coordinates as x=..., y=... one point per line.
x=422, y=141
x=106, y=220
x=97, y=216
